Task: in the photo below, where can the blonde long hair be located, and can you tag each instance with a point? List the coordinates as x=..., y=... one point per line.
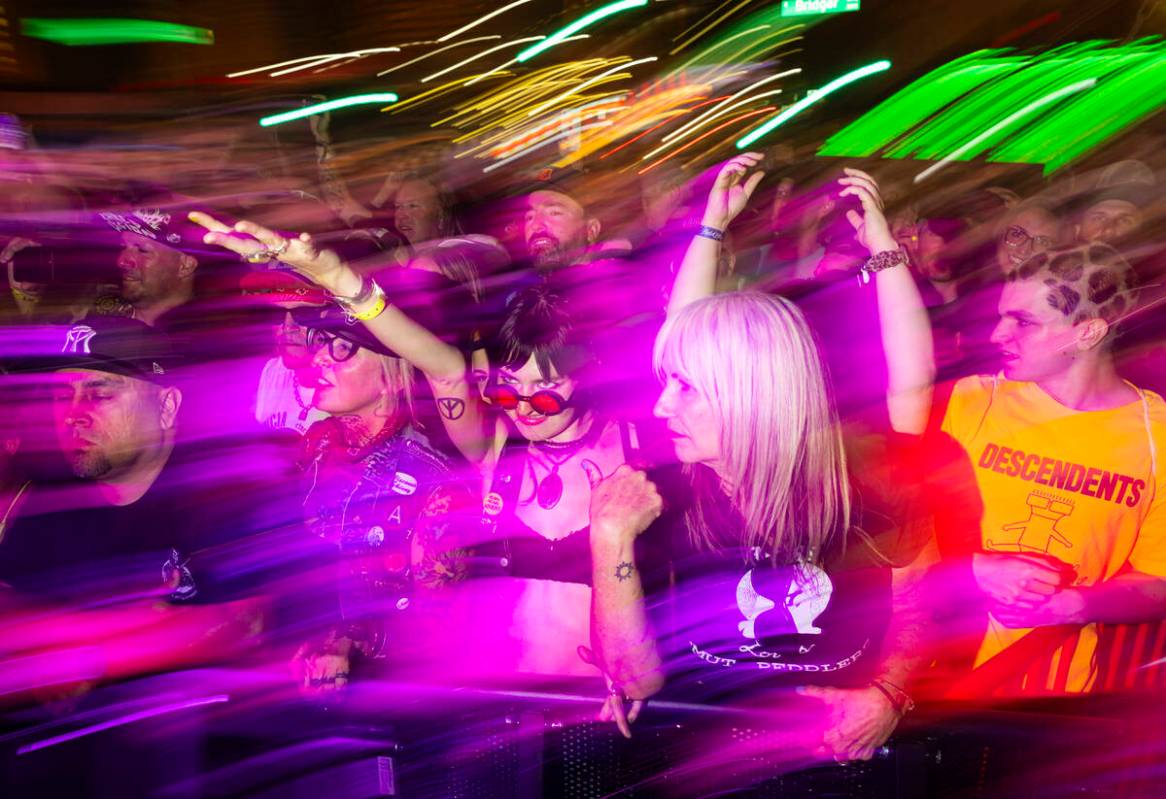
x=399, y=386
x=753, y=356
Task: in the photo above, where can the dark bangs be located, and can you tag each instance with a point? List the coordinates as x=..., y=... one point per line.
x=538, y=324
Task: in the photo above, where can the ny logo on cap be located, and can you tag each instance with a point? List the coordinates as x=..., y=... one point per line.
x=77, y=340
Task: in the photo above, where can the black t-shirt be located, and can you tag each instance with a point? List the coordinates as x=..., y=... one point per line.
x=217, y=522
x=734, y=623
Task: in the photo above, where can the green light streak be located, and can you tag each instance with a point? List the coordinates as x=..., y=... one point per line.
x=954, y=112
x=1008, y=121
x=330, y=105
x=82, y=32
x=811, y=98
x=578, y=25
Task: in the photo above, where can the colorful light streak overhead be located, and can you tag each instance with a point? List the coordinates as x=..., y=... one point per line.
x=1005, y=123
x=312, y=60
x=486, y=52
x=936, y=115
x=330, y=105
x=811, y=98
x=432, y=53
x=585, y=21
x=480, y=20
x=88, y=31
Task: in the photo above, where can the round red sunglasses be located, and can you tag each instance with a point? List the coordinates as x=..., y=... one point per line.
x=547, y=403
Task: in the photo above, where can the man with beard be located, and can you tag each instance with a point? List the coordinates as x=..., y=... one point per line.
x=172, y=282
x=557, y=228
x=139, y=504
x=149, y=559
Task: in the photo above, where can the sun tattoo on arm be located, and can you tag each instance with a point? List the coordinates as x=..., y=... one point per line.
x=623, y=571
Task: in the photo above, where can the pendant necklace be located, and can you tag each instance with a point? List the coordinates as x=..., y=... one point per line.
x=549, y=490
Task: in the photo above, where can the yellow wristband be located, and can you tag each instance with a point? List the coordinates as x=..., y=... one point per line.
x=376, y=310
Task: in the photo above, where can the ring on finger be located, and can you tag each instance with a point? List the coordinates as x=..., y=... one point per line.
x=280, y=250
x=260, y=256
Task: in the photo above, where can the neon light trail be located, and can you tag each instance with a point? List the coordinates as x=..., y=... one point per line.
x=578, y=25
x=480, y=20
x=811, y=98
x=86, y=32
x=939, y=115
x=1008, y=121
x=330, y=105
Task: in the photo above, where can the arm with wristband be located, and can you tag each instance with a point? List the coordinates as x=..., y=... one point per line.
x=443, y=365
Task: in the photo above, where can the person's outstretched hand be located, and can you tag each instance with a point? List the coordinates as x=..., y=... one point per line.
x=257, y=244
x=870, y=226
x=731, y=190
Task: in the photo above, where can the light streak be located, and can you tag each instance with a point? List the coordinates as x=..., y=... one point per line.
x=319, y=58
x=330, y=105
x=709, y=27
x=704, y=136
x=544, y=143
x=731, y=98
x=121, y=721
x=589, y=82
x=480, y=20
x=418, y=99
x=1036, y=105
x=559, y=36
x=439, y=50
x=704, y=53
x=514, y=61
x=87, y=31
x=493, y=49
x=811, y=98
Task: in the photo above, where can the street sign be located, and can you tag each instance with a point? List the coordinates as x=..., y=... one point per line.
x=806, y=8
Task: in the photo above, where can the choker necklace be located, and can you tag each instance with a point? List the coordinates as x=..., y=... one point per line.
x=549, y=490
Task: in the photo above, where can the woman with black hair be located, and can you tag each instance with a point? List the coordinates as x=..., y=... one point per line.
x=535, y=434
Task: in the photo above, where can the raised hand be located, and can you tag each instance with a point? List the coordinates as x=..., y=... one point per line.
x=732, y=190
x=257, y=244
x=624, y=504
x=870, y=226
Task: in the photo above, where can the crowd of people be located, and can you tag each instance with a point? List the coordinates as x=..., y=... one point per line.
x=798, y=441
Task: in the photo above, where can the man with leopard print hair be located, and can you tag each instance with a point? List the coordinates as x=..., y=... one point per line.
x=1071, y=545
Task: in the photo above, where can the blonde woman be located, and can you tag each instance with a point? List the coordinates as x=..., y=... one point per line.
x=783, y=568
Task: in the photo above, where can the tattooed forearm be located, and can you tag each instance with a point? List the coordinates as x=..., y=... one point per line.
x=623, y=571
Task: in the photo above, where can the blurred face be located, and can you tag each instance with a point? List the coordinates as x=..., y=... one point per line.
x=556, y=228
x=1031, y=231
x=1109, y=221
x=291, y=342
x=149, y=270
x=660, y=199
x=107, y=423
x=1036, y=340
x=533, y=425
x=349, y=381
x=692, y=425
x=417, y=211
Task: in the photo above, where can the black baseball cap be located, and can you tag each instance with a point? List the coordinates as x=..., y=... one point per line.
x=104, y=343
x=166, y=221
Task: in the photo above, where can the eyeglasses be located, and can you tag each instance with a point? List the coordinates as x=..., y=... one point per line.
x=548, y=403
x=1016, y=236
x=339, y=349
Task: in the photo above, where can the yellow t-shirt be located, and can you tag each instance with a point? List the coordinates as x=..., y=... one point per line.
x=1079, y=486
